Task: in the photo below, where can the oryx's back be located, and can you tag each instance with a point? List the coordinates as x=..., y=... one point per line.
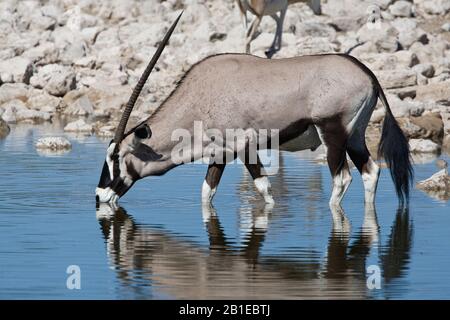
x=235, y=90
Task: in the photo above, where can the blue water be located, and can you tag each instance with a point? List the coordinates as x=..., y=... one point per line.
x=161, y=243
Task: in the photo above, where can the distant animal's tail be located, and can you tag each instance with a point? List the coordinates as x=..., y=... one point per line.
x=394, y=148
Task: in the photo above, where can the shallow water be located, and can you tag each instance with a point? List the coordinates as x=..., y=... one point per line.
x=162, y=244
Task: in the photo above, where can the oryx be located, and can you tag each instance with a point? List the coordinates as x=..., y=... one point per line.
x=309, y=99
x=260, y=8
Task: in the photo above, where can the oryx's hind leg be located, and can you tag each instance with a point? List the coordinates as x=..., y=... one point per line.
x=335, y=141
x=260, y=179
x=370, y=171
x=211, y=182
x=341, y=180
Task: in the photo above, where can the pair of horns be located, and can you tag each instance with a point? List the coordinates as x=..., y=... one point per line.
x=137, y=90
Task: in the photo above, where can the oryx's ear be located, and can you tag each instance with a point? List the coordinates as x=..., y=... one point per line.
x=143, y=132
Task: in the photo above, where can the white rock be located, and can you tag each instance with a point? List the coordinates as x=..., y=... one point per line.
x=315, y=29
x=445, y=115
x=42, y=101
x=11, y=91
x=409, y=32
x=17, y=69
x=86, y=62
x=424, y=69
x=383, y=38
x=55, y=79
x=16, y=111
x=32, y=116
x=51, y=10
x=434, y=92
x=54, y=143
x=406, y=108
x=11, y=108
x=81, y=107
x=431, y=52
x=311, y=45
x=44, y=53
x=446, y=26
x=401, y=8
x=388, y=61
x=106, y=131
x=378, y=115
x=438, y=185
x=435, y=6
x=89, y=34
x=79, y=126
x=423, y=145
x=39, y=21
x=396, y=78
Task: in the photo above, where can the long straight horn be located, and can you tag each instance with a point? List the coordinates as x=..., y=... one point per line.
x=137, y=90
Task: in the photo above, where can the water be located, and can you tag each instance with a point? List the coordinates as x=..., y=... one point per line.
x=162, y=244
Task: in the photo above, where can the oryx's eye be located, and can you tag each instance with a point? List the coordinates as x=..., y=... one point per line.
x=143, y=132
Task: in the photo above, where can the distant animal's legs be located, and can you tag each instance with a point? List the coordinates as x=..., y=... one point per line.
x=212, y=179
x=244, y=20
x=315, y=6
x=276, y=44
x=251, y=31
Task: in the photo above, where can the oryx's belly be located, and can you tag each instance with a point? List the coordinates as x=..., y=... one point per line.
x=308, y=140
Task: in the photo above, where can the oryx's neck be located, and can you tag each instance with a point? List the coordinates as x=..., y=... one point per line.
x=167, y=122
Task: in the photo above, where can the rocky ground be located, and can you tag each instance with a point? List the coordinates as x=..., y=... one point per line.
x=78, y=60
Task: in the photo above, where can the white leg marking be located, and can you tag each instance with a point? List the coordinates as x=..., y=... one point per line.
x=207, y=192
x=106, y=195
x=370, y=174
x=262, y=184
x=109, y=161
x=341, y=182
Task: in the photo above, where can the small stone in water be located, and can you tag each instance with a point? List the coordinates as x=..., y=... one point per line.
x=437, y=186
x=53, y=143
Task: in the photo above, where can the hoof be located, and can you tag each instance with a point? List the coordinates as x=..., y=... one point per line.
x=268, y=54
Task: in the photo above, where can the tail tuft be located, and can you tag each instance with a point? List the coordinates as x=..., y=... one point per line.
x=394, y=148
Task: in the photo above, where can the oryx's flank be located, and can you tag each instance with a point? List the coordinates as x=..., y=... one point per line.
x=332, y=95
x=260, y=8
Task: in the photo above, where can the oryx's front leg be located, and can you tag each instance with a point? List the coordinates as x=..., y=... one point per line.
x=260, y=179
x=211, y=182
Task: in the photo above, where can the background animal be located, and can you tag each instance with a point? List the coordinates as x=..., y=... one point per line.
x=260, y=8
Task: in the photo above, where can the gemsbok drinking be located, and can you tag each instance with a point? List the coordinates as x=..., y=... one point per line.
x=306, y=100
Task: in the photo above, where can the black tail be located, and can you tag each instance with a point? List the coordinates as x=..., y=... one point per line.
x=394, y=148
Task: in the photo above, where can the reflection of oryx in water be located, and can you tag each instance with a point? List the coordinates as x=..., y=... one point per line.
x=144, y=256
x=305, y=186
